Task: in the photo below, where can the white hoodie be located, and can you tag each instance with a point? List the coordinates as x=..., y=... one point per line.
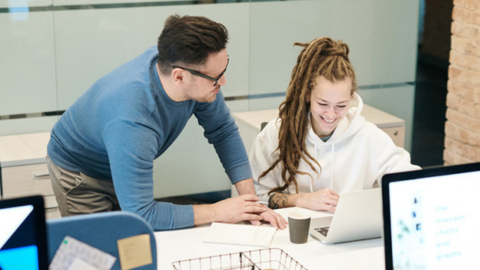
x=357, y=154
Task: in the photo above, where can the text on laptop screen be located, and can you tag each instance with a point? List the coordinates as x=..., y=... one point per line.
x=435, y=222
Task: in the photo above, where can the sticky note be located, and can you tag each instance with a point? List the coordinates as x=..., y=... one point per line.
x=134, y=251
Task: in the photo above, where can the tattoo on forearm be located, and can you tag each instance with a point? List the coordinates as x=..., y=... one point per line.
x=278, y=200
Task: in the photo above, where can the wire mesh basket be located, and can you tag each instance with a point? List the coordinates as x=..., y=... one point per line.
x=262, y=259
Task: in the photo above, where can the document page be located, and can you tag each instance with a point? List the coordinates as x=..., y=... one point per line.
x=240, y=234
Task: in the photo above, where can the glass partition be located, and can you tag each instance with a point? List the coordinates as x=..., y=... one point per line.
x=52, y=51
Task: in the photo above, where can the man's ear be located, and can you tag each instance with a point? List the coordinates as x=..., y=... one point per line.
x=178, y=75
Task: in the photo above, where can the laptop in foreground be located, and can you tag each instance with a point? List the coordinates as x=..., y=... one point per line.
x=432, y=218
x=23, y=242
x=358, y=216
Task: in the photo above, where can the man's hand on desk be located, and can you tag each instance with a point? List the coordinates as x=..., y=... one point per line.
x=240, y=208
x=275, y=219
x=245, y=187
x=230, y=210
x=247, y=208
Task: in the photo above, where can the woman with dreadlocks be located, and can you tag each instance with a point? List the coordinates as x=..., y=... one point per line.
x=320, y=146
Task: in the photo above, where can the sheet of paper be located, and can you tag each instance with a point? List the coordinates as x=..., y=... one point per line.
x=134, y=251
x=71, y=249
x=240, y=234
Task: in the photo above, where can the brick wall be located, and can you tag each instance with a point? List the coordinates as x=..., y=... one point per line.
x=462, y=129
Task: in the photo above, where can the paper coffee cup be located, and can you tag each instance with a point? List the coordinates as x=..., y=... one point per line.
x=298, y=226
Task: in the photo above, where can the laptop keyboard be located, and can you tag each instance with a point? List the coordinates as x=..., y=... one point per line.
x=322, y=230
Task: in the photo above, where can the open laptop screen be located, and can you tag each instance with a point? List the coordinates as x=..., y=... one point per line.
x=432, y=218
x=22, y=234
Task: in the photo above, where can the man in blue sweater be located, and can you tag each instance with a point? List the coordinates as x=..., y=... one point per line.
x=101, y=151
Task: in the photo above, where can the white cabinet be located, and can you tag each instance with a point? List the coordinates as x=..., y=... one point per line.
x=392, y=125
x=23, y=171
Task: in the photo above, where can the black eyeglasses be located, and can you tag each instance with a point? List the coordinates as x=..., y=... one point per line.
x=199, y=74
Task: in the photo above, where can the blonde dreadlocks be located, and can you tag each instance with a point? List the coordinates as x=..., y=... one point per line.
x=321, y=57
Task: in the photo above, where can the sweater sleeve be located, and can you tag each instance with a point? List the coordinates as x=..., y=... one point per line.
x=131, y=149
x=221, y=131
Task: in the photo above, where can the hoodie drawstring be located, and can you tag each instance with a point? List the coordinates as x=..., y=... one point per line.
x=311, y=178
x=333, y=166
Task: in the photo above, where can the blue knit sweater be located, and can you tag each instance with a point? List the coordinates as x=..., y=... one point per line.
x=125, y=121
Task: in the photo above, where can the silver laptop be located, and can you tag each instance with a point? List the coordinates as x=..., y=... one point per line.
x=358, y=216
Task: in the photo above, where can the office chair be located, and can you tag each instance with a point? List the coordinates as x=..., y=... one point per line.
x=101, y=231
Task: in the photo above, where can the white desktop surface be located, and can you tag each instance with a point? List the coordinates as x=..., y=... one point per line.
x=188, y=244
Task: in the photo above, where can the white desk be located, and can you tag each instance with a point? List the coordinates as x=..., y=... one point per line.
x=188, y=244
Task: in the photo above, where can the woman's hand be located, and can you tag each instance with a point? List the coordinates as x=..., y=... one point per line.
x=324, y=200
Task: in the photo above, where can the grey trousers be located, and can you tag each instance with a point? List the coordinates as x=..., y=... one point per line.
x=77, y=193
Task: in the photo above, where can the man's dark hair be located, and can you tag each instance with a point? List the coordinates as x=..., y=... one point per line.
x=188, y=41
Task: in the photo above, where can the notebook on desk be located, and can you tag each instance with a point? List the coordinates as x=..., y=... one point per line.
x=240, y=234
x=358, y=216
x=432, y=218
x=23, y=243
